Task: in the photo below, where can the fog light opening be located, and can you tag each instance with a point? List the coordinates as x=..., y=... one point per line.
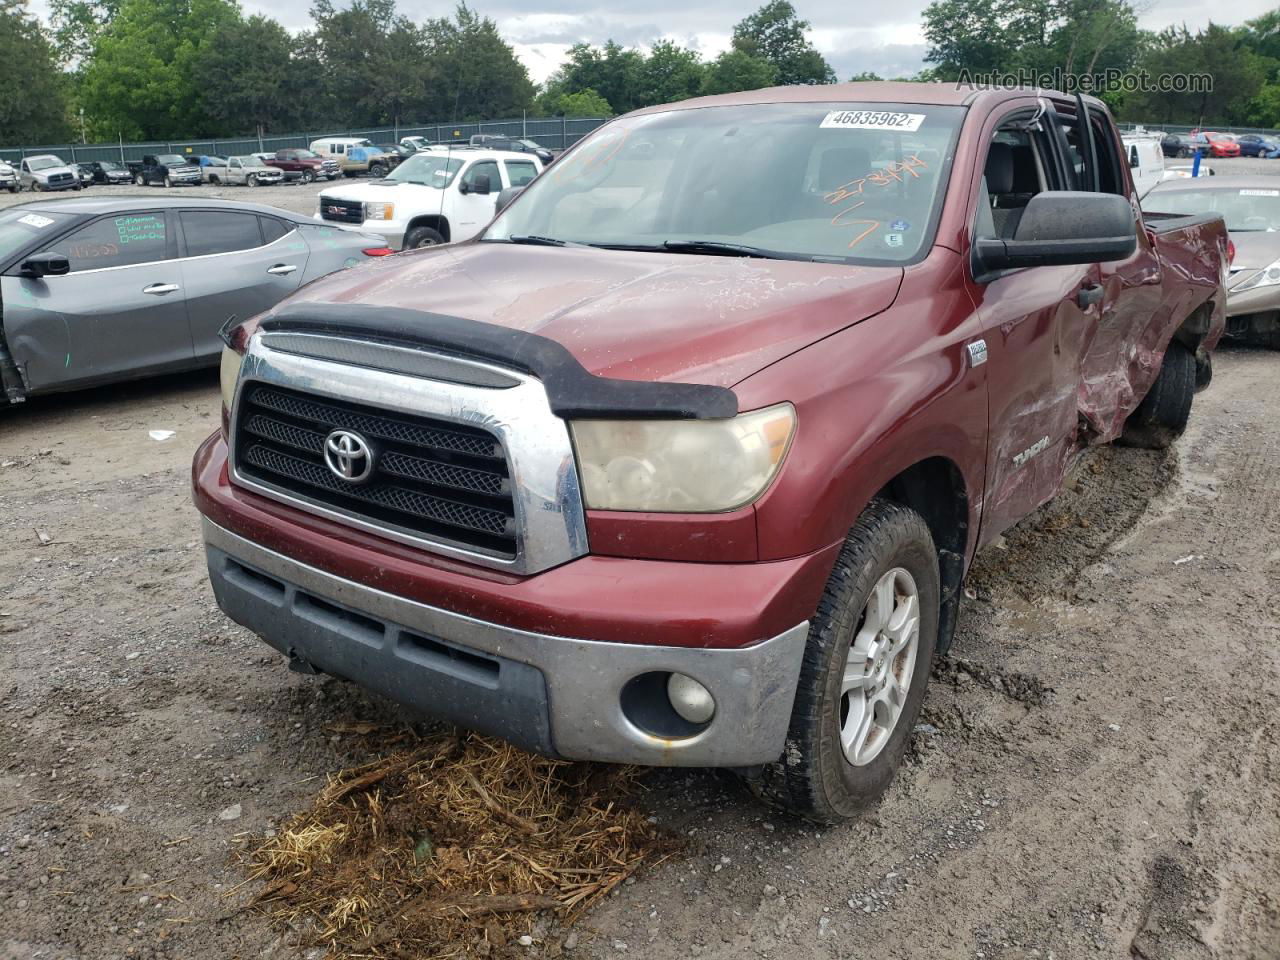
x=649, y=702
x=690, y=699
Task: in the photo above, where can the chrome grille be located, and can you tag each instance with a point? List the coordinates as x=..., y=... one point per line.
x=431, y=478
x=341, y=211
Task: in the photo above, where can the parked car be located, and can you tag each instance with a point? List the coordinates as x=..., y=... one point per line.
x=82, y=172
x=1172, y=145
x=106, y=171
x=396, y=152
x=431, y=198
x=1146, y=162
x=1256, y=145
x=417, y=143
x=46, y=172
x=1251, y=208
x=250, y=171
x=683, y=463
x=355, y=155
x=306, y=165
x=169, y=169
x=491, y=142
x=1213, y=145
x=213, y=169
x=102, y=289
x=9, y=178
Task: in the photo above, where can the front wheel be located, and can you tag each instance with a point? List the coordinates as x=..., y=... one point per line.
x=1163, y=414
x=377, y=170
x=308, y=176
x=422, y=237
x=253, y=181
x=865, y=669
x=139, y=180
x=167, y=181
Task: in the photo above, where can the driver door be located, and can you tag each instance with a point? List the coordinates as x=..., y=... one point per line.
x=473, y=210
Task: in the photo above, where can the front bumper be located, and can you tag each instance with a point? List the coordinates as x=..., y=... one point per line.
x=552, y=694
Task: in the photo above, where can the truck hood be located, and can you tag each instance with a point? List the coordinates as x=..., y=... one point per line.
x=379, y=191
x=634, y=316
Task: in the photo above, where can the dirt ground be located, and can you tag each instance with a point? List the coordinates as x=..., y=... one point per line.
x=1096, y=771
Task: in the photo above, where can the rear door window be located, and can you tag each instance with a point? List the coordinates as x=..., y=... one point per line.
x=219, y=231
x=520, y=172
x=119, y=241
x=273, y=229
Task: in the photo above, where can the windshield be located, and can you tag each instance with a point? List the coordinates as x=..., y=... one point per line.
x=171, y=159
x=837, y=181
x=304, y=155
x=1244, y=208
x=427, y=169
x=18, y=228
x=108, y=165
x=44, y=163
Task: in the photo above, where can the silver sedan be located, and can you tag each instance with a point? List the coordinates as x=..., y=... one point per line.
x=97, y=290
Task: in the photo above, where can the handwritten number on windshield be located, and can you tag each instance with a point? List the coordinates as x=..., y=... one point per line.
x=883, y=177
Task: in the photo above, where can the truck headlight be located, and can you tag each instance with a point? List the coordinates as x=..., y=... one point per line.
x=379, y=211
x=228, y=373
x=1268, y=276
x=681, y=466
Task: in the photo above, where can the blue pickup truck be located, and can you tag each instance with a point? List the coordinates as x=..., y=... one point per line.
x=170, y=169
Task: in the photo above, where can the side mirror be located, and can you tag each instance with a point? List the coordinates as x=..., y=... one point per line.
x=480, y=184
x=45, y=265
x=505, y=197
x=1062, y=227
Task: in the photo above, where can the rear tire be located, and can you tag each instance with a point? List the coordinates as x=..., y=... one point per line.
x=1163, y=414
x=422, y=237
x=856, y=667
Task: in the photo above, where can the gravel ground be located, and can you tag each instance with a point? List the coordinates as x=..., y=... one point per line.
x=1095, y=774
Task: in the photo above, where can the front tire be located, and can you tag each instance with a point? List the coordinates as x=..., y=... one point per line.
x=377, y=170
x=140, y=180
x=422, y=237
x=168, y=183
x=865, y=669
x=308, y=176
x=1163, y=414
x=252, y=181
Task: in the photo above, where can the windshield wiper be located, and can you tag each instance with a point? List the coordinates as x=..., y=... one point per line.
x=712, y=247
x=536, y=241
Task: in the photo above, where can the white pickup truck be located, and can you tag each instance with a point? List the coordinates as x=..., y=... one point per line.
x=430, y=198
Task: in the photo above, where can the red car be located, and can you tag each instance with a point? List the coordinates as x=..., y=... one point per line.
x=1217, y=144
x=682, y=460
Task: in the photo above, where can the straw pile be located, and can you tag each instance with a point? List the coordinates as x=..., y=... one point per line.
x=448, y=849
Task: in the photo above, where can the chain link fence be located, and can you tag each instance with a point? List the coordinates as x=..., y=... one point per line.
x=555, y=133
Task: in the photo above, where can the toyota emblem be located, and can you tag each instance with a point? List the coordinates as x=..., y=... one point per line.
x=348, y=456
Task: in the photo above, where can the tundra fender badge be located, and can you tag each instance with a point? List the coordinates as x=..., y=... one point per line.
x=977, y=353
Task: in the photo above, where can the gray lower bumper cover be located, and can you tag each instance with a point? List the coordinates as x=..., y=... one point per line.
x=554, y=695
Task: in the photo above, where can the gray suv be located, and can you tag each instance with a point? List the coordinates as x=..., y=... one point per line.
x=105, y=289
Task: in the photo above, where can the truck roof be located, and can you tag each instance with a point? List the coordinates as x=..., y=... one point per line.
x=928, y=94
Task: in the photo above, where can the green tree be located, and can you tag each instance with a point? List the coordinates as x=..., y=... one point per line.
x=76, y=25
x=584, y=103
x=475, y=73
x=248, y=78
x=669, y=73
x=775, y=33
x=140, y=80
x=736, y=70
x=611, y=71
x=34, y=110
x=1220, y=53
x=866, y=76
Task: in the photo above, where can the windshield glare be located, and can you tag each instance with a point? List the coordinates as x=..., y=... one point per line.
x=19, y=228
x=1243, y=208
x=427, y=169
x=837, y=181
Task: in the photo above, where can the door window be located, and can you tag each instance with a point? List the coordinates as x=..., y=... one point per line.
x=120, y=241
x=1014, y=172
x=488, y=168
x=219, y=231
x=520, y=172
x=273, y=229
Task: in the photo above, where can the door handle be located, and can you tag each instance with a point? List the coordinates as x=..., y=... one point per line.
x=1088, y=295
x=282, y=269
x=160, y=289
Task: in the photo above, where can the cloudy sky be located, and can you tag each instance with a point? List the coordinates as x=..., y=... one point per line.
x=886, y=41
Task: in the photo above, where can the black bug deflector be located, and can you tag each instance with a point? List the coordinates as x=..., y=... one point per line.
x=573, y=392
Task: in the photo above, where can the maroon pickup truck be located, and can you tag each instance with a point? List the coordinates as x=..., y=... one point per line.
x=304, y=165
x=683, y=459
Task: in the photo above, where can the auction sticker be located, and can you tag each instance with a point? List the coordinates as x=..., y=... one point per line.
x=1260, y=193
x=35, y=220
x=873, y=120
